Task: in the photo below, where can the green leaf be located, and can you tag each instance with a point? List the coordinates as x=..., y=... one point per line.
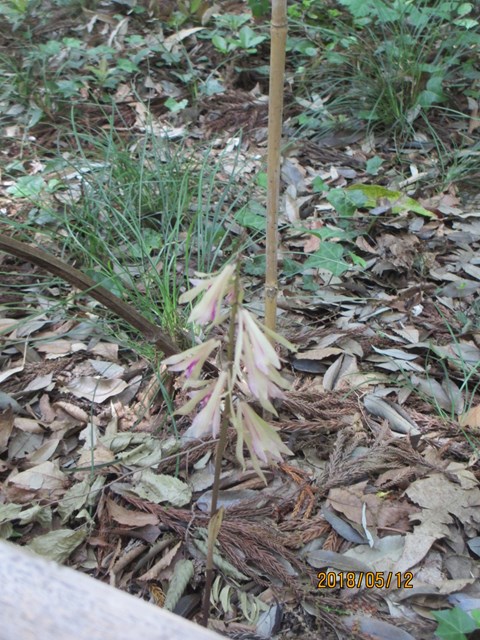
x=427, y=98
x=251, y=220
x=346, y=203
x=328, y=257
x=126, y=65
x=162, y=488
x=259, y=8
x=58, y=545
x=309, y=283
x=453, y=624
x=27, y=187
x=225, y=567
x=372, y=193
x=291, y=267
x=248, y=39
x=466, y=23
x=475, y=613
x=325, y=233
x=182, y=574
x=77, y=496
x=465, y=8
x=373, y=165
x=262, y=179
x=256, y=267
x=109, y=282
x=175, y=106
x=220, y=43
x=357, y=260
x=319, y=185
x=9, y=512
x=212, y=86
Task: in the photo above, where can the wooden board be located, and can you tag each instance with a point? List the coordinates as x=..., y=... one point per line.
x=40, y=600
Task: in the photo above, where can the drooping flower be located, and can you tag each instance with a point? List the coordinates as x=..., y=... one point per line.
x=207, y=420
x=216, y=288
x=254, y=351
x=261, y=438
x=192, y=360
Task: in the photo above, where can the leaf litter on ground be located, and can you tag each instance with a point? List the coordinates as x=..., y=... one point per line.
x=383, y=417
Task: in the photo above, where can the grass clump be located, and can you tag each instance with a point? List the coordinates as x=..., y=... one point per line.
x=136, y=215
x=391, y=65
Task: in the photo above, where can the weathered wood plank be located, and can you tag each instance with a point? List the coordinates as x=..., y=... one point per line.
x=40, y=600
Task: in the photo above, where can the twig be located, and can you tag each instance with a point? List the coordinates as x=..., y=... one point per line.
x=76, y=278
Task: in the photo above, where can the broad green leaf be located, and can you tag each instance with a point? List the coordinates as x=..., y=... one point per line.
x=78, y=495
x=476, y=616
x=220, y=43
x=248, y=39
x=329, y=257
x=465, y=8
x=345, y=202
x=175, y=106
x=27, y=187
x=325, y=233
x=262, y=179
x=247, y=218
x=453, y=624
x=466, y=23
x=373, y=165
x=37, y=513
x=319, y=185
x=256, y=267
x=400, y=202
x=259, y=8
x=291, y=267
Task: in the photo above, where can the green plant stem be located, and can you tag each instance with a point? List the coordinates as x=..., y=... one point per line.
x=222, y=442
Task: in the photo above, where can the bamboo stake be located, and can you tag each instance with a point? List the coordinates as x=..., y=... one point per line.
x=278, y=31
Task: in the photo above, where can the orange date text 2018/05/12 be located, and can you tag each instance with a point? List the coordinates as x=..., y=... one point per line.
x=366, y=579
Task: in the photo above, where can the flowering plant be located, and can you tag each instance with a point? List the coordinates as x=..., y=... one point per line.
x=253, y=366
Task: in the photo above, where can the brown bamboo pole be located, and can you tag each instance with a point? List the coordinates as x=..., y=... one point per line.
x=278, y=31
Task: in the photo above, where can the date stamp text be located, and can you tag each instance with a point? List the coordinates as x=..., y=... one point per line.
x=366, y=579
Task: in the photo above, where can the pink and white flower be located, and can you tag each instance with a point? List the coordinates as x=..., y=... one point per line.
x=254, y=351
x=261, y=438
x=208, y=310
x=192, y=360
x=207, y=420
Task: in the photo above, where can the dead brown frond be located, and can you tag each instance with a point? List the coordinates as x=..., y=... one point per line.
x=299, y=531
x=326, y=408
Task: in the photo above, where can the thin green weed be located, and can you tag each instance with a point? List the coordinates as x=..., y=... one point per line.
x=138, y=215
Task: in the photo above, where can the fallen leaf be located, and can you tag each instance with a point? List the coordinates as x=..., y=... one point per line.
x=470, y=418
x=40, y=382
x=96, y=389
x=60, y=348
x=129, y=517
x=6, y=426
x=43, y=479
x=162, y=488
x=58, y=545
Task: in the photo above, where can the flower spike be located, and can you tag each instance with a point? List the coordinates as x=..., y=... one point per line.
x=208, y=310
